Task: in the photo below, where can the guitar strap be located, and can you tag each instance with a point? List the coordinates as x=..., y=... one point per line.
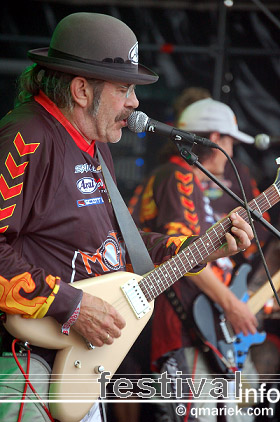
x=139, y=256
x=178, y=307
x=140, y=259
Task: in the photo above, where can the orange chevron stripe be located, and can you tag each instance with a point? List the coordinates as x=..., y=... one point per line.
x=177, y=228
x=14, y=169
x=8, y=192
x=192, y=218
x=3, y=229
x=185, y=190
x=195, y=229
x=6, y=212
x=24, y=148
x=187, y=203
x=184, y=178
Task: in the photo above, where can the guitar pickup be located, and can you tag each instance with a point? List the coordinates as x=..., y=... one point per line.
x=228, y=332
x=136, y=298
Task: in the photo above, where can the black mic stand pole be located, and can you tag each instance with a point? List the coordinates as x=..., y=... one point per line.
x=192, y=159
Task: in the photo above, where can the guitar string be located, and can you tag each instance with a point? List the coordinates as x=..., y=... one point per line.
x=220, y=230
x=259, y=204
x=263, y=199
x=156, y=286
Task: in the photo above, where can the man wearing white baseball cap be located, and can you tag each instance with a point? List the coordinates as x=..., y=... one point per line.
x=208, y=115
x=172, y=201
x=216, y=121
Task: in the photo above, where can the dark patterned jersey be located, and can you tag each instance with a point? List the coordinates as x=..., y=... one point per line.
x=56, y=222
x=222, y=203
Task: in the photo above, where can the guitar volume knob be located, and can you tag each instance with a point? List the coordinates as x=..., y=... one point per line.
x=99, y=369
x=78, y=364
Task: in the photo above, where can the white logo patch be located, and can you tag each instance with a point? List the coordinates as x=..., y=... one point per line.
x=87, y=185
x=133, y=54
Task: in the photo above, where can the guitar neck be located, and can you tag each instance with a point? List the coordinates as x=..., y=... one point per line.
x=261, y=296
x=158, y=280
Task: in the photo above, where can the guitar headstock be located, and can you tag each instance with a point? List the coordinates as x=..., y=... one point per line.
x=277, y=180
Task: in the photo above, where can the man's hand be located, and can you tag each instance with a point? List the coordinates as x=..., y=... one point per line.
x=236, y=312
x=239, y=240
x=98, y=321
x=240, y=317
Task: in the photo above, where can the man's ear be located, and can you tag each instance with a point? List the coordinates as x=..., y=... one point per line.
x=81, y=91
x=215, y=137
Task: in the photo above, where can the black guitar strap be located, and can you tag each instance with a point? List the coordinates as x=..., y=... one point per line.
x=140, y=259
x=139, y=256
x=179, y=309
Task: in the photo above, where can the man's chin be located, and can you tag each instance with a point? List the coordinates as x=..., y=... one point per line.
x=115, y=138
x=115, y=141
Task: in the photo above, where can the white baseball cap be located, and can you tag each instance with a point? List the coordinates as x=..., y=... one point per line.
x=208, y=115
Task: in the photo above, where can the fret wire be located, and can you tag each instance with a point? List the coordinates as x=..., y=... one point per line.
x=178, y=263
x=185, y=255
x=172, y=279
x=171, y=266
x=260, y=211
x=214, y=235
x=143, y=286
x=150, y=288
x=215, y=232
x=190, y=251
x=185, y=252
x=206, y=235
x=164, y=276
x=156, y=282
x=175, y=262
x=160, y=269
x=198, y=251
x=267, y=200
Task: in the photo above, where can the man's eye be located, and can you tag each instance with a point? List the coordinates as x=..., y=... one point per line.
x=123, y=88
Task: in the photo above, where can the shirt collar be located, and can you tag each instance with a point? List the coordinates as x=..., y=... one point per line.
x=56, y=113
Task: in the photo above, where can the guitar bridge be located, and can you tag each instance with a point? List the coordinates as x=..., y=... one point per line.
x=136, y=298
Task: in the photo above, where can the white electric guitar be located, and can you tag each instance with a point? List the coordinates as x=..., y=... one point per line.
x=77, y=368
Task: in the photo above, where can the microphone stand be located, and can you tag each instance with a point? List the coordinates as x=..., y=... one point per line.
x=186, y=153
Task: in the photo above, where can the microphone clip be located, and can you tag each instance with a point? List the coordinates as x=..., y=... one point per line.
x=185, y=149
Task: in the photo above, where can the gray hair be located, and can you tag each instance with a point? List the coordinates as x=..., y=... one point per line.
x=56, y=85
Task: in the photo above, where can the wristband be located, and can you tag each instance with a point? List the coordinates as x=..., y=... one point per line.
x=65, y=329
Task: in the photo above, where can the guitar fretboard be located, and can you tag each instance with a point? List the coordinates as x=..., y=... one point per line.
x=168, y=273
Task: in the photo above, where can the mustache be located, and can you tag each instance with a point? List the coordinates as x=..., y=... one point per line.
x=123, y=116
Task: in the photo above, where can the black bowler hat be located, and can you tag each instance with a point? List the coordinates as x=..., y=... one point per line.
x=95, y=46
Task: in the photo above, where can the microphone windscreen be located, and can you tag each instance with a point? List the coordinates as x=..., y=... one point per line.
x=262, y=141
x=137, y=121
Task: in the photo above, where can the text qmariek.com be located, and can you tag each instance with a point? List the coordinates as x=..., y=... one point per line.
x=181, y=410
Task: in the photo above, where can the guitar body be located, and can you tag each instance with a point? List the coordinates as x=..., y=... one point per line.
x=207, y=317
x=75, y=370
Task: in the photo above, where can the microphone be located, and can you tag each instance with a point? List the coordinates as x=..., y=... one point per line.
x=262, y=141
x=139, y=122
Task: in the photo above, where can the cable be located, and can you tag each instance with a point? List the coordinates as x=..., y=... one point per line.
x=104, y=412
x=193, y=378
x=26, y=376
x=25, y=386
